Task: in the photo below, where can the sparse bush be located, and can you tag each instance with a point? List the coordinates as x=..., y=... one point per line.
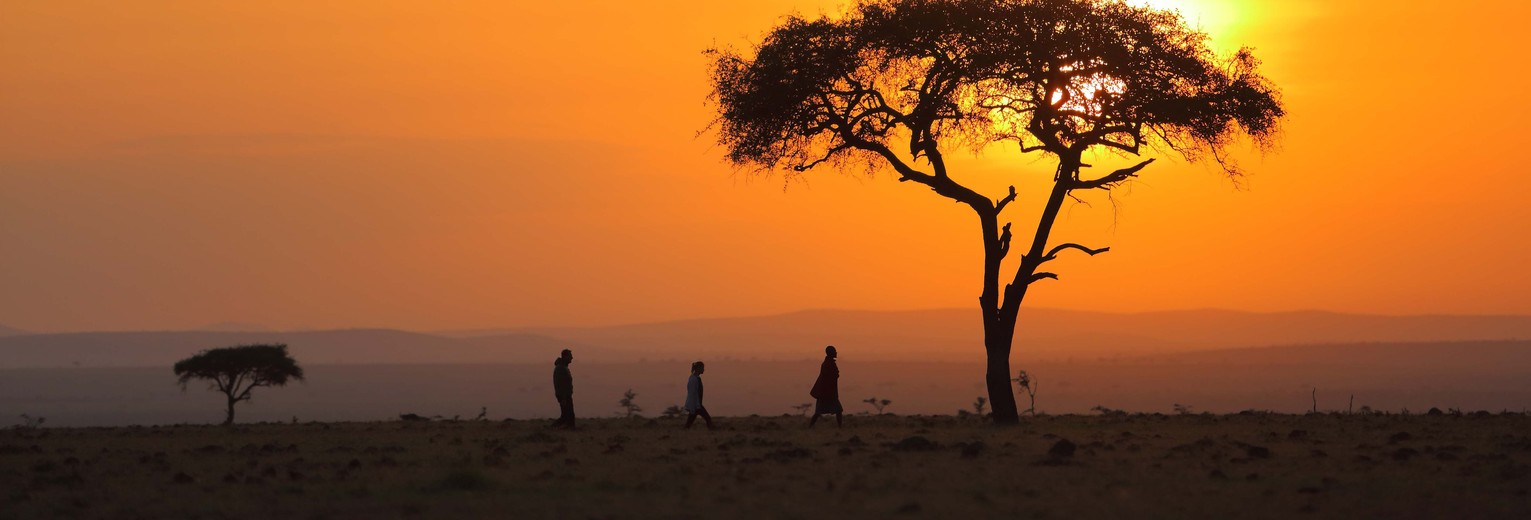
x=979, y=404
x=1182, y=409
x=1028, y=385
x=629, y=405
x=1107, y=411
x=673, y=412
x=879, y=404
x=803, y=409
x=31, y=423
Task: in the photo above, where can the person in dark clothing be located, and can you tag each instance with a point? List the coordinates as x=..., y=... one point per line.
x=694, y=396
x=826, y=390
x=563, y=390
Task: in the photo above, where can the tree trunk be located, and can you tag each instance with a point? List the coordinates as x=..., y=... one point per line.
x=999, y=316
x=997, y=376
x=230, y=418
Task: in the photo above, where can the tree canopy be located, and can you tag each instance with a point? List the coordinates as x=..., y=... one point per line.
x=1052, y=76
x=236, y=371
x=896, y=84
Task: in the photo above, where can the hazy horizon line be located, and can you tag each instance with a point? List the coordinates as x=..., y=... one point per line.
x=232, y=326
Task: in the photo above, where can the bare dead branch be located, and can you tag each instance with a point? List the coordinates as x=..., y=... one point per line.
x=1000, y=205
x=1111, y=179
x=1053, y=254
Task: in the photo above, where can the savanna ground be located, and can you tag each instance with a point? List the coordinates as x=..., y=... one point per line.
x=1111, y=466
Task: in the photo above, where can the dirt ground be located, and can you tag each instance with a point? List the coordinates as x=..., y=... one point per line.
x=1119, y=466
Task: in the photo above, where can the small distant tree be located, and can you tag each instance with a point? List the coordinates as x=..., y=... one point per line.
x=236, y=371
x=629, y=405
x=1026, y=384
x=979, y=404
x=673, y=412
x=1182, y=409
x=878, y=404
x=31, y=423
x=803, y=409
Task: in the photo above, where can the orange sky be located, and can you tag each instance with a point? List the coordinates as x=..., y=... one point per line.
x=433, y=165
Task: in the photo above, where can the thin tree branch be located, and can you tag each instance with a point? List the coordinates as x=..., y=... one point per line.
x=1000, y=205
x=1041, y=276
x=1053, y=254
x=828, y=155
x=1111, y=179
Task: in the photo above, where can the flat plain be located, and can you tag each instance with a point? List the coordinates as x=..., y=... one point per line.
x=1249, y=465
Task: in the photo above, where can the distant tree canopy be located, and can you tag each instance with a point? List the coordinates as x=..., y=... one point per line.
x=896, y=84
x=236, y=371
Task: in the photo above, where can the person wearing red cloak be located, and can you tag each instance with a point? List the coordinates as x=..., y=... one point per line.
x=826, y=390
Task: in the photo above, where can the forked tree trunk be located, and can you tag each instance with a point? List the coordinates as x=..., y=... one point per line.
x=1001, y=310
x=229, y=419
x=998, y=329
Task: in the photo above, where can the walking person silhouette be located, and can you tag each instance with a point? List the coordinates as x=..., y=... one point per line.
x=563, y=390
x=826, y=390
x=694, y=396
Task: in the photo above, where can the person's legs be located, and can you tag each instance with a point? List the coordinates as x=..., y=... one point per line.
x=815, y=419
x=838, y=422
x=705, y=416
x=691, y=418
x=565, y=413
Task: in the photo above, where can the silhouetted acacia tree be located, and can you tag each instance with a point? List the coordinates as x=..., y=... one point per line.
x=896, y=84
x=236, y=371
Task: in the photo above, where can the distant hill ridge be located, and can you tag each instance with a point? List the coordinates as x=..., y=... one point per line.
x=917, y=335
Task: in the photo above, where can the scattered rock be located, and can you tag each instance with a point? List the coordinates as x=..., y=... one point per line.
x=912, y=507
x=971, y=450
x=1258, y=452
x=1217, y=474
x=915, y=443
x=1062, y=449
x=1399, y=437
x=182, y=478
x=1404, y=454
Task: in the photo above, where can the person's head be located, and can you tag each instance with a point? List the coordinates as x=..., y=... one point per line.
x=567, y=355
x=830, y=351
x=698, y=367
